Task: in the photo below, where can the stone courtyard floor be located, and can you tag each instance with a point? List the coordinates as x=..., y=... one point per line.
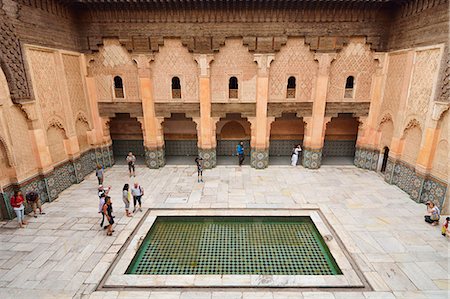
x=65, y=253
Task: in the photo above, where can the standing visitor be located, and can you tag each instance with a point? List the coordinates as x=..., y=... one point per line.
x=295, y=153
x=102, y=193
x=433, y=213
x=137, y=191
x=444, y=229
x=99, y=172
x=199, y=162
x=107, y=211
x=131, y=160
x=126, y=199
x=17, y=201
x=33, y=199
x=240, y=152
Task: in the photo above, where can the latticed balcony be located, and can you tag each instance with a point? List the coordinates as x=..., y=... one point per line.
x=176, y=93
x=290, y=93
x=233, y=93
x=118, y=93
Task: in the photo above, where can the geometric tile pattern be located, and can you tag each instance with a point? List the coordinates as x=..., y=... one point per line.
x=181, y=147
x=339, y=148
x=228, y=147
x=233, y=246
x=366, y=158
x=154, y=158
x=209, y=157
x=282, y=147
x=312, y=158
x=259, y=159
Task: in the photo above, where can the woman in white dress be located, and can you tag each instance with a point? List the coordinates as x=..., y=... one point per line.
x=295, y=153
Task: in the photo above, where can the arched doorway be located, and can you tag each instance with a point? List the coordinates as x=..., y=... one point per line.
x=285, y=132
x=385, y=159
x=126, y=135
x=340, y=140
x=180, y=139
x=229, y=132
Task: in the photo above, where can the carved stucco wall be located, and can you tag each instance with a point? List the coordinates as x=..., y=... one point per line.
x=174, y=60
x=426, y=67
x=81, y=128
x=394, y=80
x=441, y=156
x=233, y=59
x=294, y=59
x=113, y=60
x=46, y=84
x=74, y=79
x=14, y=133
x=4, y=163
x=413, y=138
x=55, y=139
x=387, y=132
x=357, y=60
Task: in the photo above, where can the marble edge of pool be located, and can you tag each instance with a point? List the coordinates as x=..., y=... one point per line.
x=349, y=277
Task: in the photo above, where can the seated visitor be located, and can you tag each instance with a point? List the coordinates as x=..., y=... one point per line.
x=433, y=213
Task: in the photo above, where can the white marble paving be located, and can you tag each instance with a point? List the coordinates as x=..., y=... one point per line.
x=65, y=253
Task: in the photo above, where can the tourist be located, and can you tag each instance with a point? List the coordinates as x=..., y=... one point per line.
x=107, y=211
x=126, y=199
x=240, y=152
x=295, y=153
x=444, y=230
x=17, y=201
x=102, y=193
x=433, y=213
x=137, y=191
x=199, y=162
x=33, y=199
x=99, y=173
x=131, y=160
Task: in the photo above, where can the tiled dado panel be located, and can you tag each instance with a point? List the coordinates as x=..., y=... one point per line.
x=121, y=148
x=339, y=148
x=259, y=159
x=181, y=147
x=366, y=158
x=420, y=188
x=155, y=158
x=282, y=147
x=63, y=176
x=312, y=158
x=209, y=157
x=228, y=147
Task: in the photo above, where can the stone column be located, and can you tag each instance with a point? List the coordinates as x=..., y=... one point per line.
x=367, y=148
x=313, y=144
x=260, y=147
x=153, y=140
x=206, y=144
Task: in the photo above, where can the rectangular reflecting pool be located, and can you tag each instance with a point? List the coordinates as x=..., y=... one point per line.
x=233, y=245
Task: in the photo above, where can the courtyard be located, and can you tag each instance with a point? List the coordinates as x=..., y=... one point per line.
x=66, y=254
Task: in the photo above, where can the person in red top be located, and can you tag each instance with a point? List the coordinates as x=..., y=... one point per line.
x=17, y=203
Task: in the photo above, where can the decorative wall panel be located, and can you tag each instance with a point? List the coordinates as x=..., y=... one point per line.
x=339, y=148
x=357, y=60
x=394, y=80
x=74, y=79
x=282, y=147
x=293, y=59
x=181, y=147
x=366, y=158
x=312, y=158
x=174, y=60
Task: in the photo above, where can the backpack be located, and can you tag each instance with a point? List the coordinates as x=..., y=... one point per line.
x=31, y=196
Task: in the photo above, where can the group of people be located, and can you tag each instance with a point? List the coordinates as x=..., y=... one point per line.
x=105, y=204
x=433, y=216
x=17, y=202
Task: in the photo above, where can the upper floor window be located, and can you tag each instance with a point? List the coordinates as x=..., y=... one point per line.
x=291, y=87
x=118, y=87
x=176, y=88
x=349, y=86
x=233, y=88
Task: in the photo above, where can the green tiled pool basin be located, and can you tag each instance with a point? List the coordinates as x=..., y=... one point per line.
x=233, y=245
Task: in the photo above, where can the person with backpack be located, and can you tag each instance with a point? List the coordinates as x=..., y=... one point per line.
x=137, y=191
x=99, y=173
x=240, y=152
x=199, y=162
x=33, y=199
x=17, y=201
x=295, y=153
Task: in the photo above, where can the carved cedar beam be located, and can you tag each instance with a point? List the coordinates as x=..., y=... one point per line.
x=357, y=109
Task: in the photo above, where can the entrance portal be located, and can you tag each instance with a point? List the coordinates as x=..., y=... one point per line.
x=180, y=139
x=126, y=135
x=285, y=133
x=385, y=159
x=340, y=140
x=230, y=131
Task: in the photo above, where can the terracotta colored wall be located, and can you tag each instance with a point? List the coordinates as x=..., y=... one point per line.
x=342, y=128
x=282, y=129
x=123, y=127
x=181, y=129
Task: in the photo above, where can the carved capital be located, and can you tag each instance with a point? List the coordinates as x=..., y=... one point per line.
x=438, y=109
x=143, y=64
x=204, y=63
x=30, y=110
x=264, y=61
x=324, y=60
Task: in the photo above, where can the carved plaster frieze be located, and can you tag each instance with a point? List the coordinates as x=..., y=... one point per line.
x=438, y=109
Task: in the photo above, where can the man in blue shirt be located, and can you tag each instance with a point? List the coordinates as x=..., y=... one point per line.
x=240, y=152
